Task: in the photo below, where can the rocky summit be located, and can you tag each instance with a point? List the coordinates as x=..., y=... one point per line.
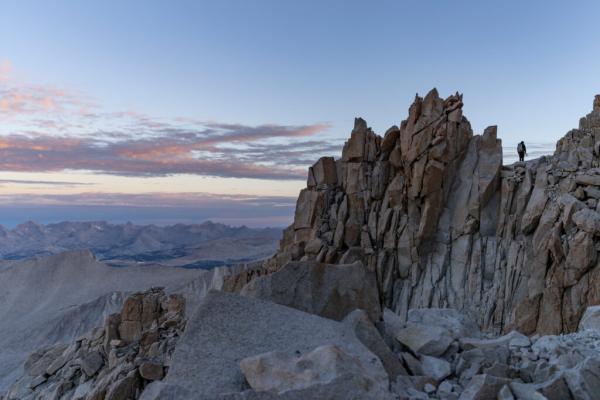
x=432, y=212
x=418, y=266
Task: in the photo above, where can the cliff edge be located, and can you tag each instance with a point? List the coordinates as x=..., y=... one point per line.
x=430, y=209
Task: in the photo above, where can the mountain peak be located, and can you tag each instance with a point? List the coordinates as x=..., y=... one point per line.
x=433, y=211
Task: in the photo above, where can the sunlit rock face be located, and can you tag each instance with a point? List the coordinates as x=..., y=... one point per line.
x=430, y=209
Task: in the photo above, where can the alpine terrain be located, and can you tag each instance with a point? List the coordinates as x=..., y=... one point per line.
x=418, y=266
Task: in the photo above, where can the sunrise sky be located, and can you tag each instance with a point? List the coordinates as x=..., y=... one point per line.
x=165, y=112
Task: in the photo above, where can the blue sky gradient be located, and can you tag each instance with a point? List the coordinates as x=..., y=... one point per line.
x=529, y=67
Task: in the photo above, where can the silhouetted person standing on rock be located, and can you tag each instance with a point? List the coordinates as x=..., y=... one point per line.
x=522, y=150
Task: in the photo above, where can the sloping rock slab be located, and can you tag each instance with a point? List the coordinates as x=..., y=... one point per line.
x=328, y=290
x=227, y=328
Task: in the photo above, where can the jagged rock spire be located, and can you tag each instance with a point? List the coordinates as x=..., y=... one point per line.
x=430, y=208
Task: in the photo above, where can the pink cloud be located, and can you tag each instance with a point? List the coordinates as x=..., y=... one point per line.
x=165, y=155
x=53, y=129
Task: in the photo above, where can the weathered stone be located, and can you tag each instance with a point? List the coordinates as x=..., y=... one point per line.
x=331, y=291
x=324, y=172
x=280, y=372
x=534, y=210
x=39, y=361
x=151, y=371
x=582, y=256
x=132, y=309
x=306, y=209
x=424, y=339
x=483, y=387
x=436, y=368
x=130, y=331
x=553, y=389
x=584, y=380
x=313, y=246
x=37, y=381
x=505, y=393
x=354, y=150
x=91, y=363
x=389, y=139
x=587, y=220
x=125, y=388
x=366, y=332
x=588, y=179
x=176, y=304
x=512, y=338
x=80, y=372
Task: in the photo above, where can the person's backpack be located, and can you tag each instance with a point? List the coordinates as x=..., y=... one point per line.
x=521, y=148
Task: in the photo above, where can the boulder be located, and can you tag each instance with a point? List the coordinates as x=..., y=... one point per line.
x=512, y=338
x=424, y=339
x=505, y=393
x=94, y=368
x=323, y=172
x=227, y=328
x=553, y=389
x=452, y=320
x=436, y=368
x=328, y=290
x=365, y=331
x=91, y=363
x=534, y=210
x=585, y=179
x=125, y=388
x=279, y=372
x=483, y=387
x=584, y=380
x=151, y=371
x=306, y=208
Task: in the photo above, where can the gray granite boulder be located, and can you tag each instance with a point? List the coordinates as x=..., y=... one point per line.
x=280, y=372
x=328, y=290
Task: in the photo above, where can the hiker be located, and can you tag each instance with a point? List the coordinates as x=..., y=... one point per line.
x=522, y=150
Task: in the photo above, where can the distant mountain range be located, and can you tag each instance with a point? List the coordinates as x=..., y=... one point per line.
x=203, y=245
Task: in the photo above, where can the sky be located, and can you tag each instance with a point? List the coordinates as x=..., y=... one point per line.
x=183, y=111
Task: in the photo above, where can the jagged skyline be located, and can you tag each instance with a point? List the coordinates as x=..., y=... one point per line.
x=101, y=111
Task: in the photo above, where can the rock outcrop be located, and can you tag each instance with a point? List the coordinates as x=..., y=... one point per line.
x=112, y=362
x=430, y=209
x=331, y=291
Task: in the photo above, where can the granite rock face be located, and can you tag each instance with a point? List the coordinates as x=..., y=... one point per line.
x=432, y=212
x=331, y=291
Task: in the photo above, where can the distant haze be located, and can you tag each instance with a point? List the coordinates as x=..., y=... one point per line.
x=12, y=215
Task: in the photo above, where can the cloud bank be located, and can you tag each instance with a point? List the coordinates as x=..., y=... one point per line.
x=46, y=129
